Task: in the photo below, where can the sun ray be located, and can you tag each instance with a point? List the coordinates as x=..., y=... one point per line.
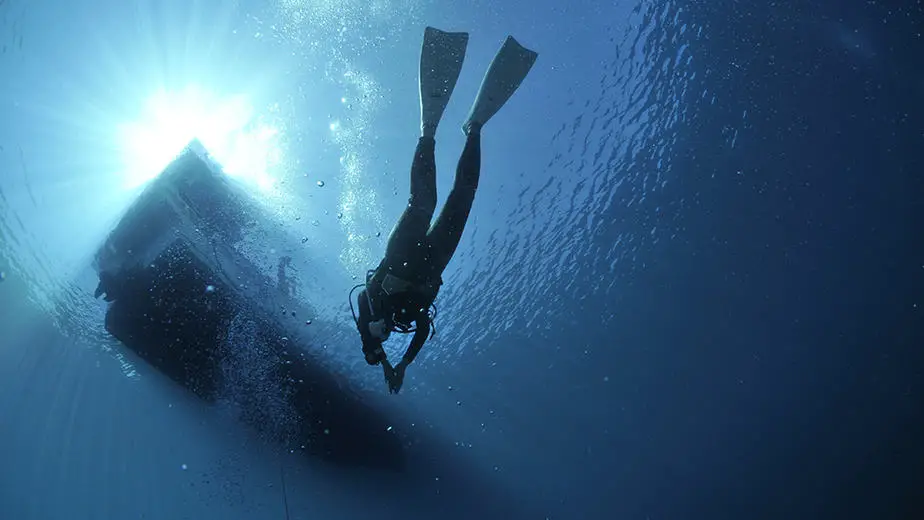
x=228, y=128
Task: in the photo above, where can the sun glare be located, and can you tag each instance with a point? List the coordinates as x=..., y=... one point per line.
x=228, y=128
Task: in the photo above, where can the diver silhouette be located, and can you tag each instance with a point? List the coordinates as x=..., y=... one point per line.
x=398, y=295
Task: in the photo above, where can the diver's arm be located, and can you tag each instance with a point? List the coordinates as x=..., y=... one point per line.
x=372, y=346
x=417, y=342
x=365, y=315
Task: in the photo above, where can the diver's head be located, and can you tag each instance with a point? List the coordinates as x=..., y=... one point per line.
x=403, y=317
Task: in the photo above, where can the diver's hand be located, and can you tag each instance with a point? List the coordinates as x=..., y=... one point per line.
x=389, y=372
x=395, y=377
x=375, y=355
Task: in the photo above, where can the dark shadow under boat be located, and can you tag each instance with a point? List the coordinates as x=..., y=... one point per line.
x=189, y=303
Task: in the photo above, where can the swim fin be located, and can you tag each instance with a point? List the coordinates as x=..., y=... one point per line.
x=441, y=58
x=507, y=70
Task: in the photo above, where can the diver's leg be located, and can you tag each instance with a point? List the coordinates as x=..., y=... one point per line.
x=408, y=236
x=446, y=232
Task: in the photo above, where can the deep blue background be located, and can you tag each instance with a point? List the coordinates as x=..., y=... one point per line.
x=785, y=329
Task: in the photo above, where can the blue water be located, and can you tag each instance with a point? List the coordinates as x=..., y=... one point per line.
x=692, y=284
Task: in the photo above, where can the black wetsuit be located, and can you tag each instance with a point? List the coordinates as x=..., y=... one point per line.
x=404, y=285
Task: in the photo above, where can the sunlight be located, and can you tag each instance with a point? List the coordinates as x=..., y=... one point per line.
x=228, y=128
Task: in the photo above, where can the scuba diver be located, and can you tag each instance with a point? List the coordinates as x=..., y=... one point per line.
x=401, y=290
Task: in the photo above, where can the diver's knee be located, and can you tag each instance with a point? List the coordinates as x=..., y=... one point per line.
x=422, y=205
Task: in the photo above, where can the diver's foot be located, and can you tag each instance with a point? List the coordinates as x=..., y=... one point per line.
x=507, y=71
x=428, y=130
x=441, y=57
x=472, y=127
